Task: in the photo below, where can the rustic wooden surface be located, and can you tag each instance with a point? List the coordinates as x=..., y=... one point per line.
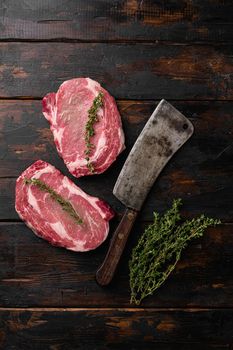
x=129, y=70
x=141, y=51
x=96, y=20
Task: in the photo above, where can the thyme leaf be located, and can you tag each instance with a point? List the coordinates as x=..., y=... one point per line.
x=66, y=205
x=159, y=249
x=89, y=128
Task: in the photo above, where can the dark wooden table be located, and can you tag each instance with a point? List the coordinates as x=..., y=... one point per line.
x=141, y=51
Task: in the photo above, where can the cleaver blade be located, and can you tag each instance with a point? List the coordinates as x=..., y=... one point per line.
x=165, y=132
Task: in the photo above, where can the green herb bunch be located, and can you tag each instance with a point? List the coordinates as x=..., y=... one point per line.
x=89, y=129
x=159, y=249
x=66, y=205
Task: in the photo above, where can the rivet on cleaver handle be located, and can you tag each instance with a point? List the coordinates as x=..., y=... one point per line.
x=164, y=133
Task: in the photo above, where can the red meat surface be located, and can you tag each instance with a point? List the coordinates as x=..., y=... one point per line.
x=47, y=218
x=67, y=112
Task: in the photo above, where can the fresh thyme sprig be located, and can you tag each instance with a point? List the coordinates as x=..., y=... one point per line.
x=89, y=129
x=159, y=249
x=66, y=205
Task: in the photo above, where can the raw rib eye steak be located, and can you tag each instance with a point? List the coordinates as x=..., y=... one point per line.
x=60, y=212
x=86, y=126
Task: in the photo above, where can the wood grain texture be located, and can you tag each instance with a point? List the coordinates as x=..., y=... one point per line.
x=109, y=329
x=139, y=50
x=94, y=20
x=34, y=273
x=200, y=173
x=128, y=71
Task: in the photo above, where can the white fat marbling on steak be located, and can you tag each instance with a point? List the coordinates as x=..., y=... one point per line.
x=60, y=229
x=45, y=170
x=73, y=189
x=47, y=218
x=32, y=200
x=101, y=143
x=93, y=157
x=69, y=114
x=58, y=133
x=93, y=86
x=122, y=138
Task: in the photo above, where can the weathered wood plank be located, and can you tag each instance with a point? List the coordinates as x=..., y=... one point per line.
x=200, y=172
x=128, y=71
x=117, y=20
x=34, y=273
x=90, y=329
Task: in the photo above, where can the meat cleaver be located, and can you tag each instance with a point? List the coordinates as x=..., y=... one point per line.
x=164, y=133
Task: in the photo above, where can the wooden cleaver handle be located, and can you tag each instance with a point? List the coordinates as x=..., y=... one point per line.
x=106, y=271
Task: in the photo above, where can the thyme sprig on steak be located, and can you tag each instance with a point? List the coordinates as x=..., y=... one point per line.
x=66, y=205
x=89, y=129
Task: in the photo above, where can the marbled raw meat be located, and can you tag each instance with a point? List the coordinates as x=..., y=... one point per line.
x=47, y=218
x=67, y=112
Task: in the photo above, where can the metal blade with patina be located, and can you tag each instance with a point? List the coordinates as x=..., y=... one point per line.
x=164, y=133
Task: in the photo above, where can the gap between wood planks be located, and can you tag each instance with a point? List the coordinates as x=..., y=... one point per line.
x=118, y=41
x=120, y=309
